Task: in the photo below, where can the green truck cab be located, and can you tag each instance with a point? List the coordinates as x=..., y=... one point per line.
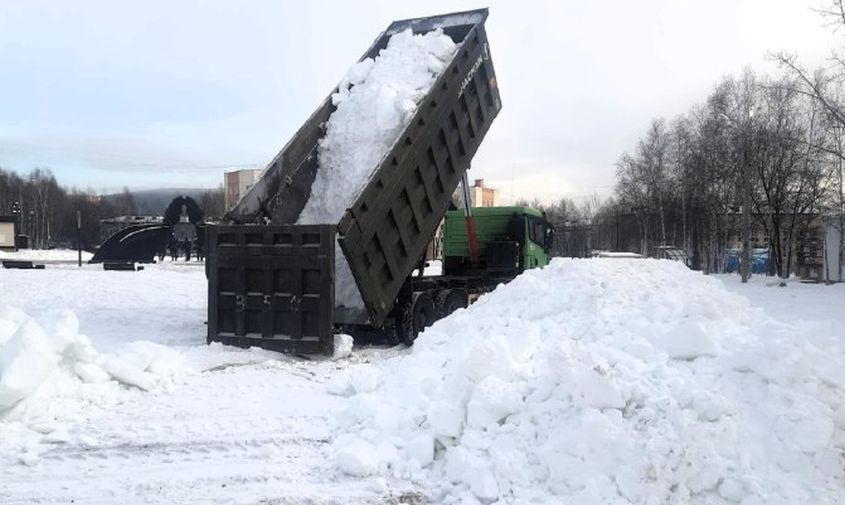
x=510, y=240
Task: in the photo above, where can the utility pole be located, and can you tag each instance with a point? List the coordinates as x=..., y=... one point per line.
x=79, y=237
x=32, y=244
x=745, y=266
x=617, y=229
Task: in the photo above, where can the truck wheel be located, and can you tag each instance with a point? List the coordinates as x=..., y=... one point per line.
x=448, y=301
x=391, y=333
x=456, y=299
x=415, y=318
x=440, y=303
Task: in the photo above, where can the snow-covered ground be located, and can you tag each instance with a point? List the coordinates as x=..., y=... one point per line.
x=45, y=255
x=217, y=424
x=818, y=310
x=586, y=367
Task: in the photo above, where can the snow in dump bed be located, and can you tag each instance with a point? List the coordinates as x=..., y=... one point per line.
x=604, y=381
x=375, y=101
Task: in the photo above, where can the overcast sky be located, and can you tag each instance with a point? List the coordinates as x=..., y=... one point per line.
x=170, y=94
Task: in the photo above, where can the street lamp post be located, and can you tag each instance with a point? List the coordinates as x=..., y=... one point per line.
x=79, y=237
x=32, y=230
x=16, y=212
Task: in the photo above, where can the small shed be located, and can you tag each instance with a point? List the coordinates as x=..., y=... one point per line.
x=8, y=231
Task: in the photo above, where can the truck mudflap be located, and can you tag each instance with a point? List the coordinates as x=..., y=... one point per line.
x=386, y=231
x=272, y=287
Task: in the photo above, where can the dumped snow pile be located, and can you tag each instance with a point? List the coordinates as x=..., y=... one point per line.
x=43, y=364
x=604, y=381
x=374, y=103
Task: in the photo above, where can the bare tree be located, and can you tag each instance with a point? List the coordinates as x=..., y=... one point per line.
x=213, y=202
x=124, y=203
x=824, y=87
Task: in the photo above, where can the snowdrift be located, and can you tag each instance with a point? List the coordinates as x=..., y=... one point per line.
x=604, y=381
x=44, y=364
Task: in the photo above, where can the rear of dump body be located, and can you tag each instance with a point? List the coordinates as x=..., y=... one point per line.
x=271, y=287
x=385, y=232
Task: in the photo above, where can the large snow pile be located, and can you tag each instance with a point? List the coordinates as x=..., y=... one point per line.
x=44, y=364
x=374, y=103
x=604, y=381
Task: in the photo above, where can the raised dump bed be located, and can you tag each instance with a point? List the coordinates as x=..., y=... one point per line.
x=384, y=233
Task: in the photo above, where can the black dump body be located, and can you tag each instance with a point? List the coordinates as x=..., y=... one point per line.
x=385, y=232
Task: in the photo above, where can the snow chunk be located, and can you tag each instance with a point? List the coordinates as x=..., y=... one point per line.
x=421, y=449
x=91, y=373
x=44, y=360
x=358, y=457
x=492, y=400
x=129, y=375
x=687, y=340
x=342, y=346
x=26, y=361
x=484, y=484
x=594, y=388
x=446, y=419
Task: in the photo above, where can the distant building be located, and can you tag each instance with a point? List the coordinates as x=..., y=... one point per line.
x=237, y=183
x=482, y=196
x=815, y=251
x=479, y=194
x=8, y=232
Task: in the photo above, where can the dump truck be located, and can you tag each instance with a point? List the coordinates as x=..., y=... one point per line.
x=271, y=282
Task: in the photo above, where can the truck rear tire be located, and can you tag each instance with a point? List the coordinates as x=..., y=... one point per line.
x=415, y=317
x=450, y=300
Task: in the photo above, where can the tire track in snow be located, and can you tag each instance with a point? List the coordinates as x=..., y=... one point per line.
x=251, y=433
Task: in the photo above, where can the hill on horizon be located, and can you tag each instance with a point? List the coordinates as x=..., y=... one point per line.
x=154, y=201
